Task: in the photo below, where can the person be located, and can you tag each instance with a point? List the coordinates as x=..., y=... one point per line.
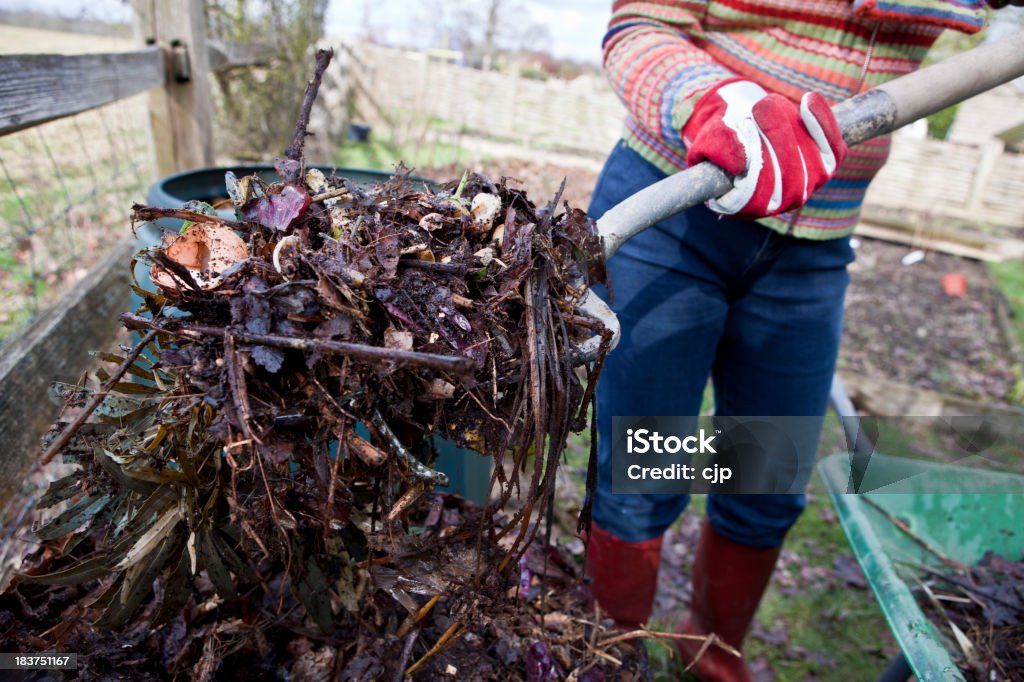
x=747, y=290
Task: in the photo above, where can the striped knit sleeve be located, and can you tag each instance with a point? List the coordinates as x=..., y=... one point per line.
x=654, y=61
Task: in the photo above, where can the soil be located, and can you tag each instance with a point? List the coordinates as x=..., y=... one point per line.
x=900, y=324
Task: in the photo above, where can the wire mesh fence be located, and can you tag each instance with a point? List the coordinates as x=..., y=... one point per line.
x=66, y=186
x=67, y=189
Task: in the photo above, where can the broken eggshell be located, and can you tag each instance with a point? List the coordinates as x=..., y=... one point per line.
x=484, y=207
x=205, y=250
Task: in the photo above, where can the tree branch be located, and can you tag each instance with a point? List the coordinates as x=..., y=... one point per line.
x=443, y=363
x=294, y=151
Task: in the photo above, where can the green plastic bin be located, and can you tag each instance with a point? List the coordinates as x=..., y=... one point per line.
x=961, y=525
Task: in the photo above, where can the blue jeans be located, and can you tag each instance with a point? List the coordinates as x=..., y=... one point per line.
x=699, y=295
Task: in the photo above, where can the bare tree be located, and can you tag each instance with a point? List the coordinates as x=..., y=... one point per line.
x=257, y=106
x=485, y=29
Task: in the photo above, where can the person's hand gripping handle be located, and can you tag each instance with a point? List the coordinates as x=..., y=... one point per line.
x=779, y=152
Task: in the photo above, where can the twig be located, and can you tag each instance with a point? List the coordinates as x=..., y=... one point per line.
x=97, y=398
x=331, y=194
x=644, y=632
x=418, y=616
x=294, y=150
x=970, y=589
x=405, y=501
x=450, y=268
x=712, y=639
x=403, y=660
x=146, y=213
x=239, y=389
x=417, y=469
x=454, y=631
x=443, y=363
x=902, y=525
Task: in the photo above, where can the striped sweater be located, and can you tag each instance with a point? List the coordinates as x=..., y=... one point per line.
x=662, y=55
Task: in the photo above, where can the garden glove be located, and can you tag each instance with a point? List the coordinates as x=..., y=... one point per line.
x=778, y=153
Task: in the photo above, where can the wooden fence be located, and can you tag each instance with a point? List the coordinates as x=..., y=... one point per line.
x=171, y=64
x=407, y=88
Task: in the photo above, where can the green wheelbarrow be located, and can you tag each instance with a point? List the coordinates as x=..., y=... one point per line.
x=987, y=514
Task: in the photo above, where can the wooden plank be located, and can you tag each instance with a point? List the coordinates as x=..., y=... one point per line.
x=226, y=55
x=180, y=113
x=990, y=153
x=964, y=243
x=887, y=398
x=54, y=347
x=35, y=88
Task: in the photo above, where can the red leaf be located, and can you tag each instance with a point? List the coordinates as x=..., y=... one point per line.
x=278, y=211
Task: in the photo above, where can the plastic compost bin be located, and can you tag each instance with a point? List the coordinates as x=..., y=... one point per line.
x=962, y=525
x=469, y=472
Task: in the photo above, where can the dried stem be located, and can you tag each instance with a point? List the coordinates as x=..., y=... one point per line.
x=417, y=469
x=443, y=363
x=450, y=636
x=71, y=429
x=403, y=659
x=148, y=213
x=708, y=640
x=294, y=150
x=239, y=390
x=902, y=525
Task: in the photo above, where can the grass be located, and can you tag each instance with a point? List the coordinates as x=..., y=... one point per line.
x=1009, y=278
x=381, y=153
x=77, y=177
x=844, y=624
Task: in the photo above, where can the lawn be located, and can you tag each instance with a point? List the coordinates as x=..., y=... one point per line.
x=380, y=152
x=1009, y=277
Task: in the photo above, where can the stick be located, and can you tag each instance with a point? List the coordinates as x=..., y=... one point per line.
x=417, y=469
x=331, y=194
x=707, y=639
x=453, y=633
x=902, y=525
x=294, y=150
x=239, y=389
x=403, y=660
x=970, y=589
x=148, y=213
x=418, y=616
x=443, y=363
x=405, y=501
x=71, y=429
x=450, y=268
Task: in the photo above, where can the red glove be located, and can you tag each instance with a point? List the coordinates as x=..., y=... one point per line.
x=779, y=153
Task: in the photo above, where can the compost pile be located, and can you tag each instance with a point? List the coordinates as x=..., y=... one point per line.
x=255, y=491
x=981, y=609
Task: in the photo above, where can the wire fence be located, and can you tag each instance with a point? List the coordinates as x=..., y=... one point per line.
x=67, y=189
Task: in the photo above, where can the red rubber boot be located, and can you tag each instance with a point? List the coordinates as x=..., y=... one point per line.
x=624, y=576
x=728, y=582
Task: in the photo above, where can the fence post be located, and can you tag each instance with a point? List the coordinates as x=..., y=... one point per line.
x=990, y=153
x=180, y=113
